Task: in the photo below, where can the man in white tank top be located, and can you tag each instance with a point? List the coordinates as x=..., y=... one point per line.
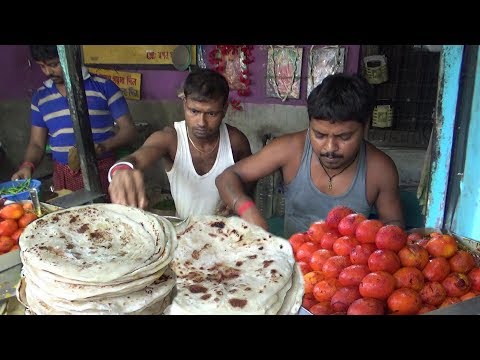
x=194, y=151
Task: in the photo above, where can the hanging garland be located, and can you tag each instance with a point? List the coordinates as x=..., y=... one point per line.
x=219, y=57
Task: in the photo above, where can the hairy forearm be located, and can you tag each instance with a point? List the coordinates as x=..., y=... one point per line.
x=144, y=157
x=231, y=188
x=125, y=136
x=34, y=153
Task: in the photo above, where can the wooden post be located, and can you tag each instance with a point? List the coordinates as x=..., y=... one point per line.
x=70, y=59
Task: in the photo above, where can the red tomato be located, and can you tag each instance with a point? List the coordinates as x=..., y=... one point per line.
x=26, y=219
x=296, y=240
x=306, y=250
x=8, y=227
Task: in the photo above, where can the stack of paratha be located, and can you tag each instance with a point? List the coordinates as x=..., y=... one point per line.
x=97, y=259
x=228, y=266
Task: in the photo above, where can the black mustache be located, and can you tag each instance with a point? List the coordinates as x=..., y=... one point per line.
x=331, y=155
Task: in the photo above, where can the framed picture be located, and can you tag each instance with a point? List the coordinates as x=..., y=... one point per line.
x=324, y=61
x=284, y=68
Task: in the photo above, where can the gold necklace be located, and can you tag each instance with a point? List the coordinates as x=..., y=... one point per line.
x=203, y=152
x=330, y=178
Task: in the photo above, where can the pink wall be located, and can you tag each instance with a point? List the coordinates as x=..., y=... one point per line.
x=18, y=80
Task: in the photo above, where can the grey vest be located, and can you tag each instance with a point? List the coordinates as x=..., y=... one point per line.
x=305, y=204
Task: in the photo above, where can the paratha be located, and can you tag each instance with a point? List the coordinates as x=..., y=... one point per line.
x=228, y=266
x=98, y=243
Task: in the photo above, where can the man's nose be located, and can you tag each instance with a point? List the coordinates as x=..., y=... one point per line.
x=331, y=145
x=203, y=119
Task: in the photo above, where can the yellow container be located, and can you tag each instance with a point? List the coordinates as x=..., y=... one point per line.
x=382, y=116
x=376, y=69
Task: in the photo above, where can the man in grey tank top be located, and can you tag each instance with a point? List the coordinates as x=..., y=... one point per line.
x=326, y=165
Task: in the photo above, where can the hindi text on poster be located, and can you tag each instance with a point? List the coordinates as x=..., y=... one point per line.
x=128, y=82
x=132, y=54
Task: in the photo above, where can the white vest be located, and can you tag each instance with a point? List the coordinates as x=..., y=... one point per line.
x=197, y=194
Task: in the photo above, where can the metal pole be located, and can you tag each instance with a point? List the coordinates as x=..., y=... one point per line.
x=70, y=59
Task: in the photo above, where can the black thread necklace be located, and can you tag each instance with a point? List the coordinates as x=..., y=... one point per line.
x=330, y=178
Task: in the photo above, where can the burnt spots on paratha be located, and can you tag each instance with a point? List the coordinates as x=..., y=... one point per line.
x=99, y=236
x=83, y=228
x=234, y=232
x=196, y=253
x=195, y=289
x=40, y=222
x=266, y=263
x=218, y=224
x=239, y=263
x=240, y=303
x=281, y=246
x=252, y=257
x=212, y=235
x=70, y=246
x=206, y=296
x=74, y=219
x=194, y=276
x=187, y=229
x=55, y=218
x=260, y=248
x=52, y=250
x=219, y=292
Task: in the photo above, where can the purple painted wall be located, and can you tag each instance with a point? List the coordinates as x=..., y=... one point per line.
x=18, y=80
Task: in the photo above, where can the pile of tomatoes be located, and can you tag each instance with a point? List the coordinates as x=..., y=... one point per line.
x=356, y=266
x=13, y=220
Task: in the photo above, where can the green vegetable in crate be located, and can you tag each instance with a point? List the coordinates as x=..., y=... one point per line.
x=12, y=190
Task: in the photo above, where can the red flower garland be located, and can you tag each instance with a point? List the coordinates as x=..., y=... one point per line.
x=216, y=58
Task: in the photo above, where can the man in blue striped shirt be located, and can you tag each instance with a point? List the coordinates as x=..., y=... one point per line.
x=51, y=119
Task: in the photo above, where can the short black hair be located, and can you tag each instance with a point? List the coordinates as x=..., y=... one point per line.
x=206, y=84
x=43, y=52
x=342, y=97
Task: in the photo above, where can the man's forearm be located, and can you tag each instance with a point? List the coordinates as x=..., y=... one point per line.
x=122, y=138
x=231, y=189
x=34, y=154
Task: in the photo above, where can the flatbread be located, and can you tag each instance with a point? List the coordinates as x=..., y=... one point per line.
x=228, y=266
x=98, y=243
x=151, y=298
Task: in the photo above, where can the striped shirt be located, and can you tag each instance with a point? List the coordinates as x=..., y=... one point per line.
x=50, y=110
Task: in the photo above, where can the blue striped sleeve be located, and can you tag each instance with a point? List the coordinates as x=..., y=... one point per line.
x=115, y=99
x=37, y=117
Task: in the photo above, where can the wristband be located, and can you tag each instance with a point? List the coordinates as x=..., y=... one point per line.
x=118, y=166
x=244, y=207
x=29, y=164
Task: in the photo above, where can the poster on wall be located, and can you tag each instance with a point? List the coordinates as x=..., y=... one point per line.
x=324, y=61
x=132, y=54
x=128, y=82
x=284, y=68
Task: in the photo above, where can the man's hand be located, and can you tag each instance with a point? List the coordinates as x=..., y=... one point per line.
x=24, y=172
x=223, y=210
x=99, y=149
x=127, y=188
x=253, y=216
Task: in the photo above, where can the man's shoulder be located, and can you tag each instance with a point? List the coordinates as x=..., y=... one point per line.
x=378, y=159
